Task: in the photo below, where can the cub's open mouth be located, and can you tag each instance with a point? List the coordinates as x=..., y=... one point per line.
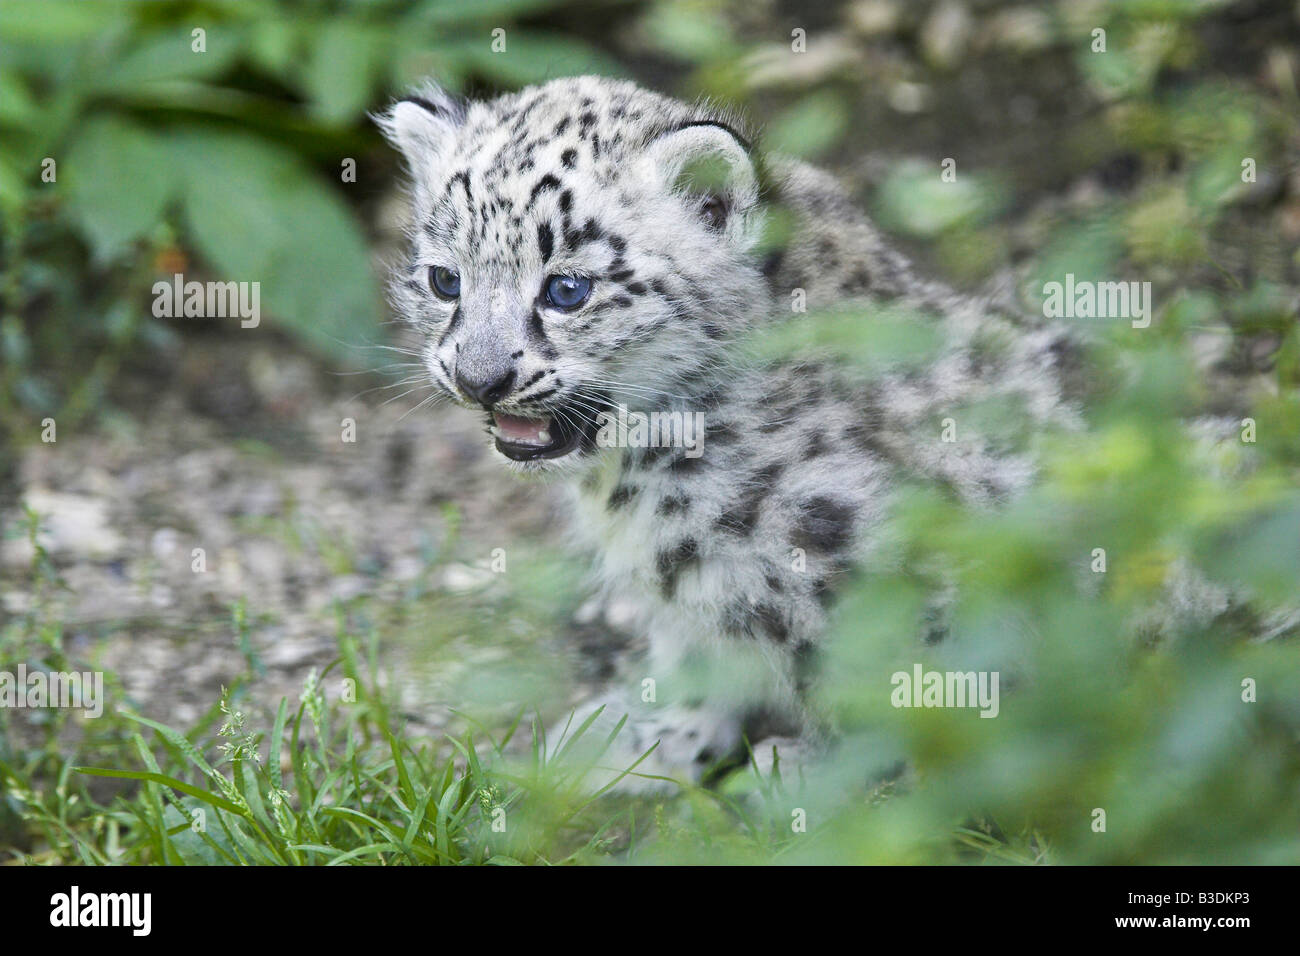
x=526, y=439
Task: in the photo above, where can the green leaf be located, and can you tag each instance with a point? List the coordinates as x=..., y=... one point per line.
x=277, y=745
x=446, y=12
x=276, y=45
x=1262, y=553
x=196, y=847
x=340, y=73
x=181, y=785
x=532, y=58
x=689, y=31
x=118, y=179
x=16, y=104
x=259, y=215
x=12, y=187
x=916, y=199
x=170, y=56
x=180, y=742
x=1087, y=248
x=56, y=21
x=811, y=126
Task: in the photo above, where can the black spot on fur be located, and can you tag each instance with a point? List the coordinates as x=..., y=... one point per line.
x=590, y=232
x=825, y=525
x=816, y=446
x=773, y=262
x=722, y=433
x=1070, y=363
x=568, y=158
x=620, y=496
x=547, y=182
x=773, y=621
x=934, y=627
x=539, y=334
x=455, y=321
x=742, y=518
x=671, y=563
x=672, y=504
x=857, y=283
x=679, y=465
x=807, y=664
x=649, y=457
x=461, y=177
x=546, y=240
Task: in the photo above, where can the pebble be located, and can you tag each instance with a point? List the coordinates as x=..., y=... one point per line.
x=945, y=34
x=73, y=527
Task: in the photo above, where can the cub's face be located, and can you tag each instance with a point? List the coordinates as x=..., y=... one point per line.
x=559, y=263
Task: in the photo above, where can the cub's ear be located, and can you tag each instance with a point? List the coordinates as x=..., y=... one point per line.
x=423, y=127
x=710, y=166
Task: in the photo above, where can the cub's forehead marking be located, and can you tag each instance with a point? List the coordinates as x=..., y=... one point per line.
x=545, y=174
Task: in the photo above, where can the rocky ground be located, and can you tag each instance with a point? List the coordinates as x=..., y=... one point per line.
x=238, y=450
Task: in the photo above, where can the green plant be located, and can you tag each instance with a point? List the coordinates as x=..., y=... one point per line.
x=220, y=141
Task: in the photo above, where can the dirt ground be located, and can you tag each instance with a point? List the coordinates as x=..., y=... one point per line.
x=239, y=450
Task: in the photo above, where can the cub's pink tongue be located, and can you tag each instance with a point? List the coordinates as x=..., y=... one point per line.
x=530, y=431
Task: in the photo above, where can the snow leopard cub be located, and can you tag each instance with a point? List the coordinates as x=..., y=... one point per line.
x=564, y=263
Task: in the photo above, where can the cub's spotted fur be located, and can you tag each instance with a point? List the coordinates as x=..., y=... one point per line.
x=568, y=257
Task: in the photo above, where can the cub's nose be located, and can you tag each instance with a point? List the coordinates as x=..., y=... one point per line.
x=488, y=389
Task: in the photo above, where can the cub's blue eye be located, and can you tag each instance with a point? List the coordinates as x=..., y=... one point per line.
x=567, y=292
x=445, y=282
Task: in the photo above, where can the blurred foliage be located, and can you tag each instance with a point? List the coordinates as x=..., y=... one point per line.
x=1123, y=164
x=220, y=157
x=1097, y=711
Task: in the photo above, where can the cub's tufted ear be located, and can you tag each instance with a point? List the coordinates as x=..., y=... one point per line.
x=423, y=126
x=709, y=164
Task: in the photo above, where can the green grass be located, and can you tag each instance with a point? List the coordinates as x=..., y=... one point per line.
x=333, y=780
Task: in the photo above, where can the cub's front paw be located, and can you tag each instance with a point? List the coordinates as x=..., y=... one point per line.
x=656, y=745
